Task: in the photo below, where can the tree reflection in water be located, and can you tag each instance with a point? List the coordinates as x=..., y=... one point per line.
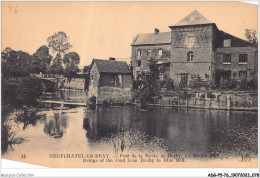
x=117, y=127
x=55, y=124
x=28, y=116
x=11, y=120
x=188, y=131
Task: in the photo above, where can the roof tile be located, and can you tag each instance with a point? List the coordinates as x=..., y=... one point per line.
x=110, y=66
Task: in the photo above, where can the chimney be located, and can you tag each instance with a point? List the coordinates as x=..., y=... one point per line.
x=112, y=59
x=156, y=31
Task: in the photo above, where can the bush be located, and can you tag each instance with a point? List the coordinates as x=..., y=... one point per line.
x=252, y=84
x=29, y=90
x=242, y=84
x=168, y=84
x=228, y=84
x=24, y=91
x=210, y=85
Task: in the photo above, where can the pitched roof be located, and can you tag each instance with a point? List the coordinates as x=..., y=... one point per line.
x=194, y=18
x=110, y=66
x=235, y=41
x=151, y=38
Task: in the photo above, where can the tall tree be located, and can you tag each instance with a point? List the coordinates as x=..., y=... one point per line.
x=56, y=67
x=15, y=63
x=71, y=61
x=149, y=83
x=59, y=43
x=41, y=59
x=251, y=36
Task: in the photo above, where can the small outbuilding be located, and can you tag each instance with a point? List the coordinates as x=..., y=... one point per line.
x=111, y=81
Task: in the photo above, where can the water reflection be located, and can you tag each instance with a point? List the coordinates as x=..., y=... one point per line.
x=55, y=124
x=174, y=130
x=28, y=116
x=124, y=129
x=11, y=122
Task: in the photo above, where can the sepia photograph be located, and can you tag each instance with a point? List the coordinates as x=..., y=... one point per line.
x=123, y=84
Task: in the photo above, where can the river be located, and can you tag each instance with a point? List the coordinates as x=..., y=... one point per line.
x=126, y=129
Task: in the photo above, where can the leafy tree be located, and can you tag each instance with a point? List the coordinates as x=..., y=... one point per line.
x=41, y=59
x=251, y=36
x=85, y=69
x=56, y=67
x=71, y=61
x=149, y=83
x=15, y=63
x=8, y=60
x=59, y=42
x=23, y=64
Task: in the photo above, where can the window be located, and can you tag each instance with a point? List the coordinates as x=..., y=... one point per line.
x=138, y=63
x=190, y=56
x=243, y=58
x=92, y=77
x=191, y=40
x=138, y=53
x=242, y=74
x=227, y=43
x=159, y=52
x=226, y=58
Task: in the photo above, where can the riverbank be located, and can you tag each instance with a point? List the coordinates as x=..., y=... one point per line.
x=216, y=100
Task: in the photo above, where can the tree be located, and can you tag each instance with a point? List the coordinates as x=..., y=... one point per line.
x=71, y=61
x=41, y=59
x=8, y=60
x=251, y=36
x=15, y=63
x=56, y=67
x=85, y=69
x=149, y=83
x=59, y=42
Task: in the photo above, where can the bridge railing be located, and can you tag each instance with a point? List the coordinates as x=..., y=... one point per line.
x=47, y=75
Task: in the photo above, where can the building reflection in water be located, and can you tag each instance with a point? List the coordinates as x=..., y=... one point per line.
x=106, y=121
x=55, y=124
x=191, y=131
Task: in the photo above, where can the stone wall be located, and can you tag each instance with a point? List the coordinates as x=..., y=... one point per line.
x=114, y=95
x=232, y=101
x=127, y=81
x=75, y=84
x=202, y=49
x=94, y=81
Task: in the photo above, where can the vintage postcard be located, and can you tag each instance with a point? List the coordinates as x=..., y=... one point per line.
x=130, y=84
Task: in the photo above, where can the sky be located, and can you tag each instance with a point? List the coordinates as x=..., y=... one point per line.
x=106, y=29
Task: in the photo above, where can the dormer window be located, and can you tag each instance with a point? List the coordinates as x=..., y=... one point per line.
x=227, y=43
x=191, y=41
